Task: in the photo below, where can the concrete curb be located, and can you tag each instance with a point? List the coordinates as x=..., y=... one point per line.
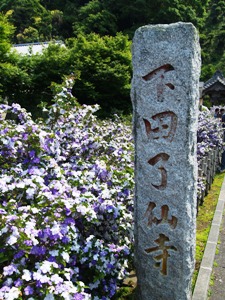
x=203, y=279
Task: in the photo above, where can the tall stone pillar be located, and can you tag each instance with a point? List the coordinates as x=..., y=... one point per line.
x=165, y=89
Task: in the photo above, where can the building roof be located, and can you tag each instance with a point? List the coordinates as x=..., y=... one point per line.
x=33, y=48
x=217, y=77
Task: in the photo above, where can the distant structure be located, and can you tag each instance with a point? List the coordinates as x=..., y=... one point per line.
x=215, y=89
x=33, y=48
x=201, y=85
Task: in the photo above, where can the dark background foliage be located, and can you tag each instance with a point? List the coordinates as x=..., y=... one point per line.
x=98, y=36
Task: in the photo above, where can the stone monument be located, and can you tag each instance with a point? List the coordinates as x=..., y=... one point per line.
x=165, y=86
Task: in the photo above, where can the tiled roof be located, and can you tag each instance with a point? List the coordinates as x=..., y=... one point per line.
x=217, y=77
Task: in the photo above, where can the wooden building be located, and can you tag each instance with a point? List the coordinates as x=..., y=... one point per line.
x=215, y=89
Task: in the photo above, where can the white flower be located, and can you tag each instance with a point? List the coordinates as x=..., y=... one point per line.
x=30, y=193
x=55, y=229
x=26, y=275
x=82, y=209
x=4, y=230
x=105, y=193
x=56, y=279
x=13, y=294
x=54, y=252
x=46, y=266
x=9, y=270
x=67, y=275
x=44, y=279
x=13, y=237
x=37, y=275
x=34, y=210
x=12, y=240
x=20, y=184
x=65, y=256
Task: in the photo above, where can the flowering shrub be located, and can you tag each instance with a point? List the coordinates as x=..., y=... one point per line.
x=209, y=134
x=65, y=202
x=209, y=137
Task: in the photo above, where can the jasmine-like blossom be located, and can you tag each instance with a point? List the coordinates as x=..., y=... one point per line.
x=26, y=275
x=9, y=270
x=28, y=290
x=65, y=200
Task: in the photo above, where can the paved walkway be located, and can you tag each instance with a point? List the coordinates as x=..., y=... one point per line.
x=213, y=263
x=217, y=290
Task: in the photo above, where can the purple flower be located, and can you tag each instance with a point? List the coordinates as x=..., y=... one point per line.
x=38, y=284
x=65, y=240
x=19, y=254
x=25, y=136
x=28, y=290
x=2, y=211
x=31, y=153
x=78, y=296
x=38, y=250
x=69, y=221
x=68, y=211
x=54, y=191
x=52, y=259
x=18, y=282
x=9, y=270
x=110, y=266
x=28, y=242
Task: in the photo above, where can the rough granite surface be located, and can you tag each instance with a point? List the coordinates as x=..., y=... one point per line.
x=165, y=93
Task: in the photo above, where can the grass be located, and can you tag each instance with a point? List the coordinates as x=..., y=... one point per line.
x=204, y=220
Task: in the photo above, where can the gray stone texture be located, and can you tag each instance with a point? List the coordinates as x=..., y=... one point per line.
x=165, y=88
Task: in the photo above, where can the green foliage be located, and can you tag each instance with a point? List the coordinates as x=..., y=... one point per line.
x=29, y=34
x=6, y=30
x=105, y=71
x=207, y=71
x=11, y=76
x=98, y=53
x=213, y=44
x=32, y=21
x=42, y=70
x=132, y=14
x=93, y=17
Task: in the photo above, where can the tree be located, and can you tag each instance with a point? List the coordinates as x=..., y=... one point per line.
x=42, y=70
x=29, y=35
x=10, y=75
x=25, y=13
x=93, y=17
x=6, y=31
x=213, y=43
x=105, y=70
x=135, y=13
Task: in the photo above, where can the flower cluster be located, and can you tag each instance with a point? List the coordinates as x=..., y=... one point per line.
x=209, y=134
x=66, y=187
x=66, y=200
x=209, y=138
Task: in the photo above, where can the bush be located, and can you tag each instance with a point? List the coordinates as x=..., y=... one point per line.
x=65, y=202
x=66, y=199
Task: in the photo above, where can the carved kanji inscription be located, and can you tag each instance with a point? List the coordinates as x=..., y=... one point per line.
x=161, y=83
x=163, y=127
x=149, y=214
x=161, y=259
x=161, y=157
